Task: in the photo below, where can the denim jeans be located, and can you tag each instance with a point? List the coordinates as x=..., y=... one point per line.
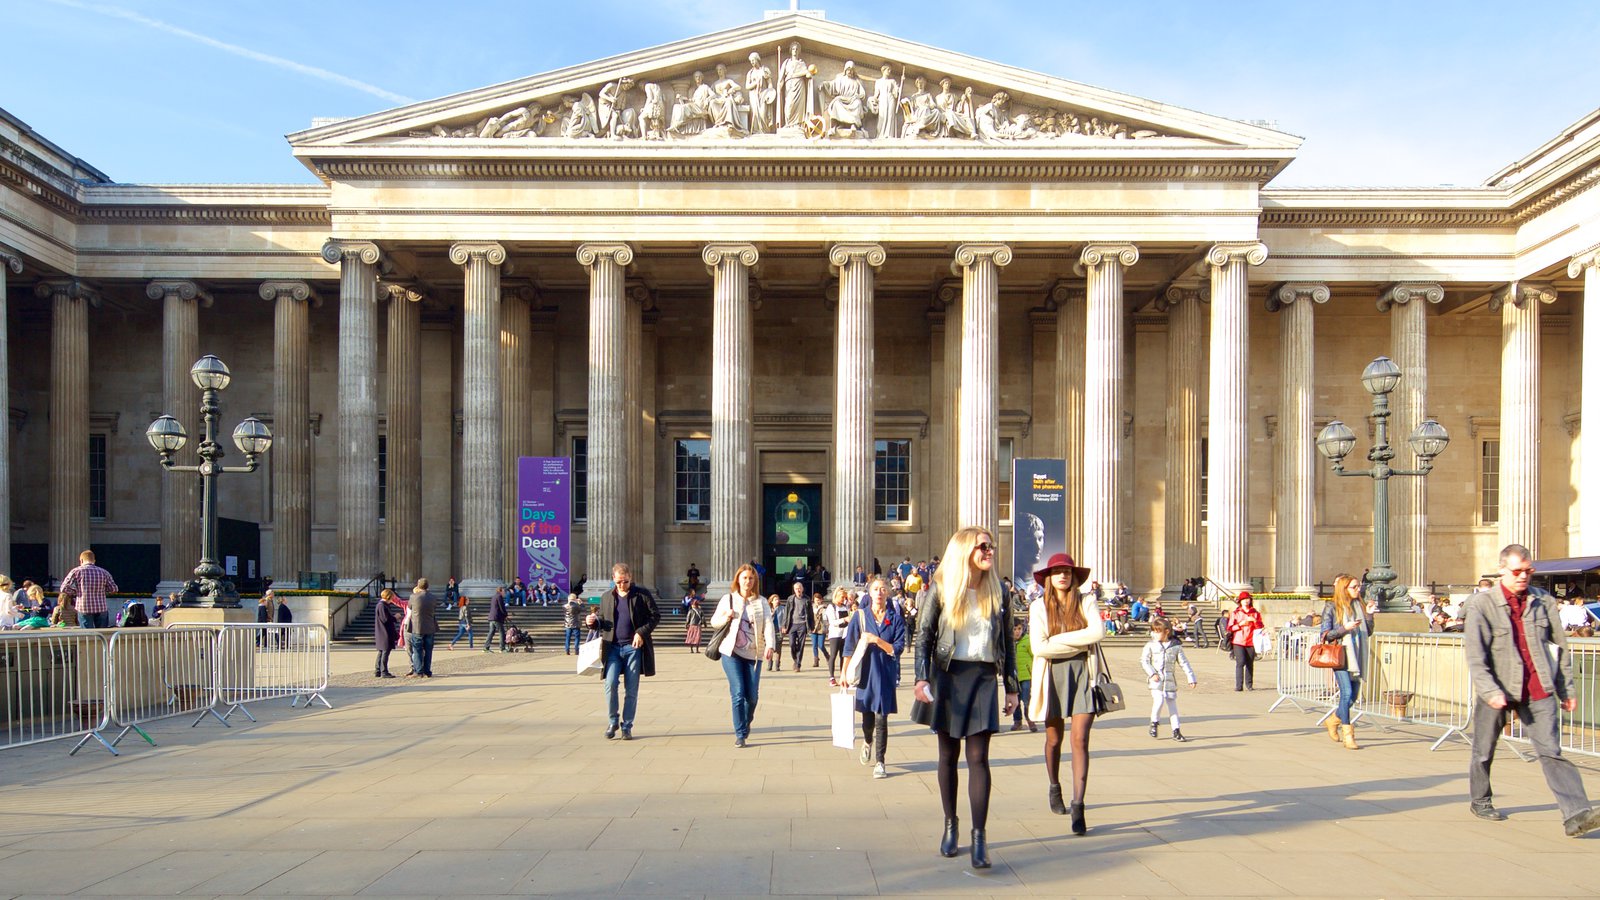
x=623, y=663
x=1348, y=688
x=489, y=638
x=744, y=688
x=94, y=620
x=816, y=647
x=1541, y=722
x=463, y=629
x=1023, y=691
x=421, y=647
x=571, y=642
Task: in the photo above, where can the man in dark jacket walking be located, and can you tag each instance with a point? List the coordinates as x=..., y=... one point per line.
x=497, y=620
x=625, y=620
x=421, y=628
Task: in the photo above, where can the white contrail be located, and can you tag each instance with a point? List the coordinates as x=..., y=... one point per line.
x=235, y=49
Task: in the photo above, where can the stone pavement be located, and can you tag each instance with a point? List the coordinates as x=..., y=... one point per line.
x=494, y=778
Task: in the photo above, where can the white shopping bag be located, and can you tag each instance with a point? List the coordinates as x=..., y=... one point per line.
x=589, y=661
x=844, y=718
x=1262, y=641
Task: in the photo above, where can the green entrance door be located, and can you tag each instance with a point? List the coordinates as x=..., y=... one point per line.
x=791, y=532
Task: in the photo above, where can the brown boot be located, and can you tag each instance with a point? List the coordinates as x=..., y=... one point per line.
x=1348, y=734
x=1333, y=724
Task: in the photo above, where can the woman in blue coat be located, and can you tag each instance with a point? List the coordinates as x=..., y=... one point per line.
x=883, y=631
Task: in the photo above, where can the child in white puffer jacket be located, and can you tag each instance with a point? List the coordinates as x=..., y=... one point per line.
x=1160, y=659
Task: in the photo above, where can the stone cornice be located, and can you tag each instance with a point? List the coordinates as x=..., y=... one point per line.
x=210, y=215
x=1388, y=217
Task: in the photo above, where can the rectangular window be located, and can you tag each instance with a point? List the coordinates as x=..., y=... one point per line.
x=383, y=477
x=580, y=479
x=1002, y=494
x=891, y=481
x=97, y=477
x=1205, y=479
x=1489, y=483
x=691, y=481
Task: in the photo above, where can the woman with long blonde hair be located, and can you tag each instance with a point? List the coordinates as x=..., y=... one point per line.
x=964, y=646
x=1064, y=629
x=1344, y=619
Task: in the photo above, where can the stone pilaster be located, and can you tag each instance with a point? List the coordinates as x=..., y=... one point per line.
x=10, y=263
x=1228, y=462
x=733, y=508
x=402, y=526
x=1185, y=374
x=1295, y=304
x=516, y=436
x=1518, y=304
x=482, y=543
x=947, y=461
x=1587, y=264
x=853, y=521
x=1103, y=365
x=1406, y=305
x=978, y=425
x=358, y=409
x=180, y=496
x=70, y=300
x=608, y=428
x=291, y=427
x=1071, y=310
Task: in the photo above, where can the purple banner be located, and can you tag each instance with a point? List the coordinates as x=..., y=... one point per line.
x=544, y=520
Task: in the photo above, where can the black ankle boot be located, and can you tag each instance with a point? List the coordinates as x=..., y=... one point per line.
x=1078, y=826
x=980, y=849
x=947, y=846
x=1057, y=806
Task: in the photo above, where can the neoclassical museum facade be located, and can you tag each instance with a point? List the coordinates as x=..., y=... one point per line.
x=796, y=265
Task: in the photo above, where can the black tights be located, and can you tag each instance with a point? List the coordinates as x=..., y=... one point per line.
x=875, y=728
x=1054, y=732
x=977, y=775
x=833, y=648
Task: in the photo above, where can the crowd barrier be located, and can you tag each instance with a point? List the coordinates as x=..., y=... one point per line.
x=1580, y=729
x=80, y=683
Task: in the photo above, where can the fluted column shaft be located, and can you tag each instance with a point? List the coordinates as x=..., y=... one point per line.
x=1588, y=542
x=358, y=409
x=1408, y=497
x=632, y=527
x=948, y=459
x=978, y=426
x=69, y=421
x=402, y=529
x=853, y=523
x=516, y=436
x=1102, y=409
x=482, y=542
x=1071, y=338
x=1185, y=345
x=180, y=495
x=1228, y=462
x=733, y=514
x=1518, y=304
x=291, y=428
x=10, y=263
x=608, y=428
x=1294, y=304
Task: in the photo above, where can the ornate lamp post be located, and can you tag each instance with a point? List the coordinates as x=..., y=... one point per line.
x=1428, y=440
x=252, y=437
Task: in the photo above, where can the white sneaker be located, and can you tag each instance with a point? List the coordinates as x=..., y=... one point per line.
x=866, y=752
x=878, y=771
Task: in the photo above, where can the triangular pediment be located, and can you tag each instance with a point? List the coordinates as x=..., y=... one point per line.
x=788, y=82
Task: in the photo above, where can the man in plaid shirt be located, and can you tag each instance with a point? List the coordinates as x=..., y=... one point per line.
x=89, y=584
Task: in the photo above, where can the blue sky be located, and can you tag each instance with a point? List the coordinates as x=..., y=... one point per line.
x=1405, y=92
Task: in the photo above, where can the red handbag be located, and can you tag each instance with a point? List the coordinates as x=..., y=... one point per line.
x=1327, y=656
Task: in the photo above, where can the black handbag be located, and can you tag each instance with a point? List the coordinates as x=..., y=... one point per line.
x=1107, y=694
x=713, y=649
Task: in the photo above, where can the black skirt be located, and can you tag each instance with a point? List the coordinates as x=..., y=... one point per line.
x=966, y=700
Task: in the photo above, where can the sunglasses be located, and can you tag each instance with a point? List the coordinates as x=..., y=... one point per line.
x=1526, y=571
x=985, y=547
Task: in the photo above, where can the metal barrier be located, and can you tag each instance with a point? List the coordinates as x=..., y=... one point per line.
x=158, y=673
x=56, y=684
x=1299, y=684
x=262, y=662
x=1580, y=729
x=1417, y=680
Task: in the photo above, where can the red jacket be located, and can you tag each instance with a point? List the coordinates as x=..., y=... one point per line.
x=1243, y=623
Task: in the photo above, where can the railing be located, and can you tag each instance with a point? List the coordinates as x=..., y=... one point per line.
x=1580, y=729
x=158, y=673
x=55, y=686
x=1306, y=688
x=263, y=662
x=1417, y=680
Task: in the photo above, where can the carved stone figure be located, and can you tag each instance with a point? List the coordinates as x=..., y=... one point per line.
x=846, y=98
x=691, y=112
x=616, y=119
x=653, y=115
x=885, y=103
x=727, y=108
x=796, y=98
x=760, y=94
x=519, y=122
x=993, y=119
x=956, y=113
x=923, y=119
x=582, y=120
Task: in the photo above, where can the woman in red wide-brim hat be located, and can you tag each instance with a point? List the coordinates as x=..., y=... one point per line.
x=1064, y=627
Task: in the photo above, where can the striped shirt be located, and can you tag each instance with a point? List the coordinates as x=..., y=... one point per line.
x=89, y=584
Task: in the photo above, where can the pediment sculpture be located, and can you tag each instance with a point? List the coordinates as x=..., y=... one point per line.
x=793, y=99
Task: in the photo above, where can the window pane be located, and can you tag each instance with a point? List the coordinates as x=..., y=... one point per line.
x=97, y=476
x=580, y=479
x=1489, y=481
x=891, y=481
x=691, y=483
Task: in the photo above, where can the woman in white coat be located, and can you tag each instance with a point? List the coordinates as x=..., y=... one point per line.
x=1064, y=627
x=751, y=640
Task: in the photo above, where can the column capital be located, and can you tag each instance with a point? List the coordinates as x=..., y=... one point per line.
x=946, y=292
x=1404, y=292
x=1588, y=259
x=1064, y=292
x=337, y=250
x=399, y=293
x=490, y=252
x=70, y=288
x=841, y=255
x=1289, y=292
x=1251, y=252
x=288, y=290
x=183, y=290
x=716, y=253
x=1521, y=294
x=1098, y=254
x=636, y=290
x=618, y=252
x=969, y=255
x=10, y=259
x=1178, y=294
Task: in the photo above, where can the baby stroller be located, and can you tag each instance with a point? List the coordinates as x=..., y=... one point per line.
x=517, y=639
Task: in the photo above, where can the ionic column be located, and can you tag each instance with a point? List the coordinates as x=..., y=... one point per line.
x=11, y=262
x=608, y=426
x=516, y=437
x=1588, y=541
x=1294, y=304
x=291, y=427
x=1185, y=346
x=482, y=544
x=636, y=295
x=1071, y=338
x=1228, y=462
x=733, y=514
x=1102, y=408
x=402, y=527
x=358, y=409
x=70, y=300
x=180, y=496
x=853, y=524
x=978, y=426
x=1408, y=497
x=1518, y=305
x=947, y=461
